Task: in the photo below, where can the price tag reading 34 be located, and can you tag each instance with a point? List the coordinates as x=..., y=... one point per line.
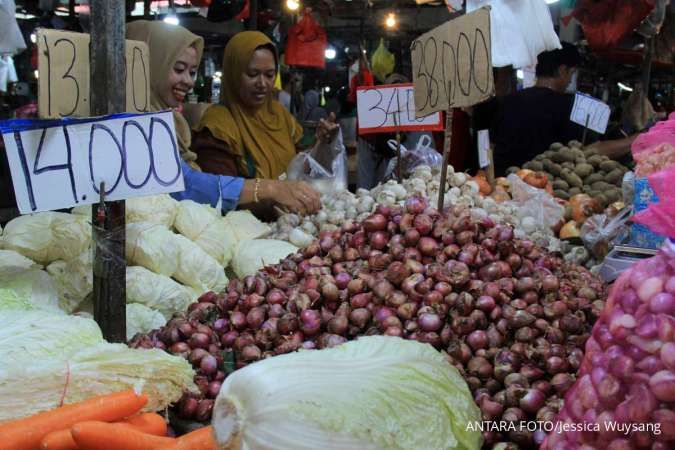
x=390, y=108
x=452, y=64
x=60, y=163
x=587, y=108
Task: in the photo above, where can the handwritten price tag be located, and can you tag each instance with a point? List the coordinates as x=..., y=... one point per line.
x=483, y=148
x=60, y=163
x=388, y=108
x=588, y=108
x=63, y=67
x=452, y=64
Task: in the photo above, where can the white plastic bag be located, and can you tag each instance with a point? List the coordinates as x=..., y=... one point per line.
x=535, y=203
x=244, y=226
x=152, y=246
x=157, y=291
x=196, y=268
x=48, y=236
x=324, y=167
x=520, y=29
x=253, y=255
x=424, y=154
x=74, y=280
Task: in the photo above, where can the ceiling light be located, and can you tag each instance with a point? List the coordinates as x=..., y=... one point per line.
x=293, y=5
x=327, y=89
x=550, y=2
x=171, y=19
x=330, y=53
x=390, y=22
x=624, y=87
x=33, y=38
x=519, y=74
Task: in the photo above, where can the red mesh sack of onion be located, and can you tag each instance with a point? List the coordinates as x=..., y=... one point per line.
x=624, y=396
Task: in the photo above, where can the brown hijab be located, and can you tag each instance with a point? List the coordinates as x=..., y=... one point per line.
x=166, y=42
x=265, y=136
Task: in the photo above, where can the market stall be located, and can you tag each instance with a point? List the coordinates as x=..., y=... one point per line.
x=439, y=309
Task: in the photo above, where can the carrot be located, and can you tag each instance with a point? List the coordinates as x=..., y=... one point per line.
x=151, y=423
x=26, y=433
x=114, y=436
x=201, y=439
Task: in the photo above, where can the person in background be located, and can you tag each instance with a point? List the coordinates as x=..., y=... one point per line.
x=286, y=93
x=250, y=134
x=175, y=54
x=527, y=122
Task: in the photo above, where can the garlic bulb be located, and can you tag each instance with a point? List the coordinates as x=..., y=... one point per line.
x=299, y=238
x=458, y=179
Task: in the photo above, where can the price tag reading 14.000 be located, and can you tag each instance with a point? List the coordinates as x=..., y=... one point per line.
x=60, y=163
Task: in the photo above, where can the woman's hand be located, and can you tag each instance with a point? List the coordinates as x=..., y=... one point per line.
x=295, y=196
x=327, y=129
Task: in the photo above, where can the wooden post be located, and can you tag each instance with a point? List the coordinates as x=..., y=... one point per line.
x=106, y=55
x=491, y=168
x=446, y=158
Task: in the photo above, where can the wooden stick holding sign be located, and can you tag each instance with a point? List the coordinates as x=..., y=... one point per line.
x=452, y=68
x=485, y=156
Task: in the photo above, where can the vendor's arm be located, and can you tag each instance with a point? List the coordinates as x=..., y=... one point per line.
x=295, y=196
x=614, y=149
x=210, y=189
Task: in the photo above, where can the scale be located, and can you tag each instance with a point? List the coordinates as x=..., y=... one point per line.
x=621, y=258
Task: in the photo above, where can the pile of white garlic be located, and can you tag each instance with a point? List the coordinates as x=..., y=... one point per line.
x=340, y=207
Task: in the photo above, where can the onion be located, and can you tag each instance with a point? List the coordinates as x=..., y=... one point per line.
x=428, y=246
x=415, y=205
x=423, y=224
x=430, y=322
x=255, y=317
x=662, y=385
x=361, y=300
x=379, y=240
x=477, y=340
x=208, y=365
x=375, y=222
x=238, y=320
x=662, y=303
x=532, y=401
x=199, y=340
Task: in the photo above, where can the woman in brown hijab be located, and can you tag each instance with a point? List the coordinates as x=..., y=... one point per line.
x=250, y=133
x=175, y=54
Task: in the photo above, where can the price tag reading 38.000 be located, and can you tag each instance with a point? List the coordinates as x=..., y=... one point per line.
x=60, y=163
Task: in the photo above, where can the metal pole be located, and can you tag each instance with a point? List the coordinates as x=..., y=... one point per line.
x=106, y=55
x=447, y=146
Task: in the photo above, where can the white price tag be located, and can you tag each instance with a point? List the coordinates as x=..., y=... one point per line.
x=60, y=163
x=388, y=108
x=483, y=148
x=587, y=108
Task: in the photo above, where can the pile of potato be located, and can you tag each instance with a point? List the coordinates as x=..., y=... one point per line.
x=574, y=170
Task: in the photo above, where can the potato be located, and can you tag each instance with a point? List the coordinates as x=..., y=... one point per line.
x=602, y=198
x=547, y=154
x=555, y=169
x=572, y=178
x=561, y=184
x=567, y=154
x=568, y=165
x=590, y=152
x=600, y=185
x=614, y=177
x=578, y=154
x=533, y=165
x=568, y=213
x=592, y=178
x=575, y=143
x=557, y=157
x=574, y=191
x=608, y=166
x=561, y=194
x=586, y=188
x=556, y=146
x=613, y=195
x=595, y=161
x=583, y=170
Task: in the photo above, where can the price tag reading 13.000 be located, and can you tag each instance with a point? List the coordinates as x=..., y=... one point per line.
x=60, y=163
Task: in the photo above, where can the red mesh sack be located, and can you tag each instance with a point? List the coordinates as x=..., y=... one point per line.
x=606, y=22
x=306, y=46
x=624, y=395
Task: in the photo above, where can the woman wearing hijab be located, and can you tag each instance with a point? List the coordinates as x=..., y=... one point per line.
x=250, y=134
x=175, y=54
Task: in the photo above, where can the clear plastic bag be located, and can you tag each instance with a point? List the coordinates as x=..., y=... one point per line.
x=423, y=155
x=535, y=203
x=600, y=233
x=324, y=167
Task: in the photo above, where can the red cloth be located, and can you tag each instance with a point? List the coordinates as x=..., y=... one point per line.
x=306, y=45
x=364, y=78
x=606, y=22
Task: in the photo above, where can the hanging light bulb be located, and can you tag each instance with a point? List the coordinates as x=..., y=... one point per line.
x=171, y=19
x=330, y=53
x=391, y=21
x=292, y=5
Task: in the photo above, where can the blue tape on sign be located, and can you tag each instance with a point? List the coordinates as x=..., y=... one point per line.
x=10, y=126
x=643, y=195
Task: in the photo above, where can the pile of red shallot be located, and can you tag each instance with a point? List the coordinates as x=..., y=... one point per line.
x=512, y=318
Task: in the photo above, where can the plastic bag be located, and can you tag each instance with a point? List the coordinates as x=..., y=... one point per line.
x=324, y=167
x=424, y=154
x=654, y=159
x=660, y=217
x=661, y=133
x=535, y=203
x=626, y=377
x=157, y=291
x=48, y=236
x=306, y=46
x=605, y=23
x=520, y=30
x=152, y=246
x=252, y=256
x=382, y=62
x=600, y=233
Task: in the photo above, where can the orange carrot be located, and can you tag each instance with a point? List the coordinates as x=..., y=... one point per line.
x=151, y=423
x=201, y=439
x=26, y=433
x=114, y=436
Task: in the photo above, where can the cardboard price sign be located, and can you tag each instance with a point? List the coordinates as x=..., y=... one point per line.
x=591, y=110
x=60, y=163
x=63, y=67
x=452, y=64
x=390, y=108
